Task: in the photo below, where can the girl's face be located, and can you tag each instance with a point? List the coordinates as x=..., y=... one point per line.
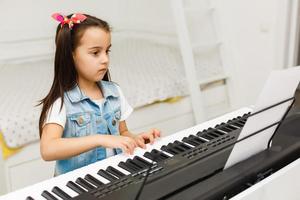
x=91, y=56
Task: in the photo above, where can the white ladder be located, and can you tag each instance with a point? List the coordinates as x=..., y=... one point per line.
x=187, y=51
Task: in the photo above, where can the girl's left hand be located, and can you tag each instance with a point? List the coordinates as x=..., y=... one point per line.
x=143, y=138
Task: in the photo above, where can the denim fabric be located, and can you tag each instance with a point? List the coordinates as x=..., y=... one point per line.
x=84, y=118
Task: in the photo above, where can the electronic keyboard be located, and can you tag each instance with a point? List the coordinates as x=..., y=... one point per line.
x=171, y=163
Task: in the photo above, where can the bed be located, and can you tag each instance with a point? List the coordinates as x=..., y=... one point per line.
x=152, y=80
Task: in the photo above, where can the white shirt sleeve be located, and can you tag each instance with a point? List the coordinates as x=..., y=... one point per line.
x=55, y=115
x=126, y=109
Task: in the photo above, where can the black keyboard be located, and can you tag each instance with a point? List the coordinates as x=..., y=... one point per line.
x=191, y=161
x=194, y=158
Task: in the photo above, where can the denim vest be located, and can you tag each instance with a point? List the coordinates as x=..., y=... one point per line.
x=84, y=117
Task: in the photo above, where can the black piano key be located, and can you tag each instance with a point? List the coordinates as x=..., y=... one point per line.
x=29, y=198
x=213, y=135
x=142, y=160
x=224, y=125
x=139, y=166
x=242, y=118
x=186, y=147
x=205, y=136
x=242, y=121
x=197, y=139
x=126, y=167
x=232, y=126
x=106, y=175
x=240, y=124
x=75, y=187
x=59, y=192
x=136, y=161
x=182, y=145
x=149, y=156
x=93, y=180
x=223, y=128
x=189, y=141
x=235, y=123
x=169, y=150
x=132, y=165
x=175, y=147
x=47, y=195
x=160, y=154
x=83, y=183
x=115, y=172
x=152, y=157
x=220, y=133
x=210, y=129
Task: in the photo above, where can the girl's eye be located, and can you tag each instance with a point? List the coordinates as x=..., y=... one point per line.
x=95, y=53
x=107, y=52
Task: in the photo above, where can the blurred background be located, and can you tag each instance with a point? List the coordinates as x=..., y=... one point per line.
x=179, y=63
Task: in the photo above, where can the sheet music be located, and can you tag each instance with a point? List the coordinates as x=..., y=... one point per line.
x=280, y=86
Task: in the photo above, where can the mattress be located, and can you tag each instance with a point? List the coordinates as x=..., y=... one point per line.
x=22, y=86
x=147, y=71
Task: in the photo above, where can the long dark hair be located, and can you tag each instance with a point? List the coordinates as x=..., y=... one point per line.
x=65, y=74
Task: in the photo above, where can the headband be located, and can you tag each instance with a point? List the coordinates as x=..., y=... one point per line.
x=76, y=18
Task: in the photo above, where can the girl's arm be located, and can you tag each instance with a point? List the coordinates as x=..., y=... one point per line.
x=54, y=147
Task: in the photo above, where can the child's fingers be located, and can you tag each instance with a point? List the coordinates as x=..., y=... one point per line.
x=125, y=149
x=156, y=133
x=131, y=144
x=141, y=143
x=151, y=138
x=130, y=147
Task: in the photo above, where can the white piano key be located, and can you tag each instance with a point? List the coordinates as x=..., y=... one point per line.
x=68, y=191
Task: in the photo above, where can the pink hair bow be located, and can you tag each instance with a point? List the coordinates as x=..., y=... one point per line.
x=75, y=19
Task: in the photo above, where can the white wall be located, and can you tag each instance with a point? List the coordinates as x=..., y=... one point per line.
x=27, y=30
x=255, y=32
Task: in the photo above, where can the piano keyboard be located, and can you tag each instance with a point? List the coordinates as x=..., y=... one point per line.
x=101, y=179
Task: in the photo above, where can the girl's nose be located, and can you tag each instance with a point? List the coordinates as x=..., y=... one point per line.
x=104, y=58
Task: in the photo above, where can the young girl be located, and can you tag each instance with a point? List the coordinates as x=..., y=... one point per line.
x=83, y=116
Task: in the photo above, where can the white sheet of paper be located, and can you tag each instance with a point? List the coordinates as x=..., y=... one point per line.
x=280, y=86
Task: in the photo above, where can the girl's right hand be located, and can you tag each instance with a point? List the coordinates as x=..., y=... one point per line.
x=127, y=144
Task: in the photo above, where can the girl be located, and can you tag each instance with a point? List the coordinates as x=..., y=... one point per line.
x=83, y=116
